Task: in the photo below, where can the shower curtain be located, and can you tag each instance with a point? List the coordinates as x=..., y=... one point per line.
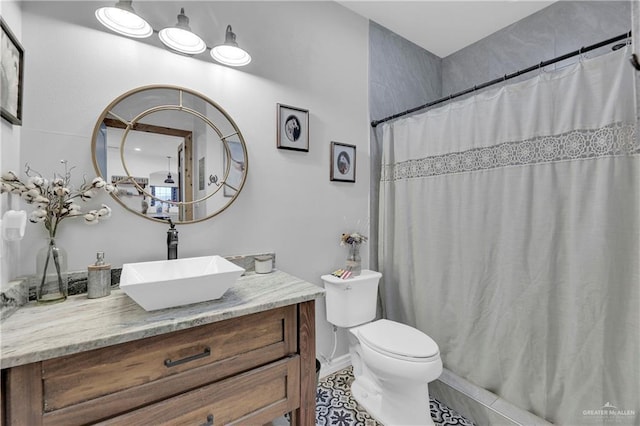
x=509, y=233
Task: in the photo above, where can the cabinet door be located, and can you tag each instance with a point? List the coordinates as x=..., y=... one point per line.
x=119, y=371
x=255, y=397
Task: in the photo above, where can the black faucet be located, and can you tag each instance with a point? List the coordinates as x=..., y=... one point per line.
x=172, y=241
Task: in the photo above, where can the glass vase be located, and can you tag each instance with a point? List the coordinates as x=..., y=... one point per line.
x=51, y=273
x=354, y=262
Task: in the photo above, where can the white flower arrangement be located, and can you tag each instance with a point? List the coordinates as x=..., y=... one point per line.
x=353, y=238
x=55, y=200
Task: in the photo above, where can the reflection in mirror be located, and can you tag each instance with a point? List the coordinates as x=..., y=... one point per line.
x=172, y=153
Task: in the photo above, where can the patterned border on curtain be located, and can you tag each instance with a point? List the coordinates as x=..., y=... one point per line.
x=611, y=140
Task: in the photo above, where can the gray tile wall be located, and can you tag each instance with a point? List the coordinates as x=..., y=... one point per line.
x=563, y=27
x=402, y=75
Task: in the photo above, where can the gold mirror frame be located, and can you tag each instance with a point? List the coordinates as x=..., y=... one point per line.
x=109, y=118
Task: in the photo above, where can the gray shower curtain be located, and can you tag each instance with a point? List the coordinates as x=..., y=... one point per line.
x=509, y=232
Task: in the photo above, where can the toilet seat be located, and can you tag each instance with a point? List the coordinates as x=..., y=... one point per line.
x=399, y=341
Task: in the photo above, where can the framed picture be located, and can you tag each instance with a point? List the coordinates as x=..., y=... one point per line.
x=293, y=128
x=12, y=72
x=343, y=162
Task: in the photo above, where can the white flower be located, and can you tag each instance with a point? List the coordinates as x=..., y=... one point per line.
x=5, y=187
x=37, y=181
x=61, y=191
x=104, y=212
x=41, y=202
x=91, y=218
x=9, y=176
x=55, y=200
x=30, y=195
x=98, y=182
x=38, y=215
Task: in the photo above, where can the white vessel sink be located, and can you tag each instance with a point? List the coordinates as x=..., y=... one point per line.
x=168, y=283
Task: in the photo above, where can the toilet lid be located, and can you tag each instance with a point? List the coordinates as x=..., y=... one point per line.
x=394, y=338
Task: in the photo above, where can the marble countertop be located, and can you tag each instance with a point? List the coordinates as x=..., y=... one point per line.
x=39, y=332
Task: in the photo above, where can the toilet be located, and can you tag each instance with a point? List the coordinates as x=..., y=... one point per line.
x=393, y=363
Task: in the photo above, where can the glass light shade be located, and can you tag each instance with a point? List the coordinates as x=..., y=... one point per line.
x=180, y=38
x=230, y=55
x=183, y=41
x=123, y=21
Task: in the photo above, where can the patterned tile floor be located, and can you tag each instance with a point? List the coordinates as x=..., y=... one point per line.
x=336, y=407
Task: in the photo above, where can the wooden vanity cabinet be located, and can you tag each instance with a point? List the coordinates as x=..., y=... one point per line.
x=245, y=370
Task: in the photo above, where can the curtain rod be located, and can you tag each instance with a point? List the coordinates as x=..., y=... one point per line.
x=506, y=77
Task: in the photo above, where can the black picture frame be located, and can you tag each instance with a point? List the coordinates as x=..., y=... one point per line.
x=293, y=128
x=12, y=74
x=343, y=162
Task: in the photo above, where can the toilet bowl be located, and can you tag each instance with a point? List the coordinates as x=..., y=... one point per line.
x=393, y=363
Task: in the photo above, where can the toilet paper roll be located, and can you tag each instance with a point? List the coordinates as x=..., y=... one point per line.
x=13, y=225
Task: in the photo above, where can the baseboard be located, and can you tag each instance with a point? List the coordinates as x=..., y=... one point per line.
x=336, y=364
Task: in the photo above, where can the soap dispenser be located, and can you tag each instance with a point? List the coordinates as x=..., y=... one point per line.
x=99, y=278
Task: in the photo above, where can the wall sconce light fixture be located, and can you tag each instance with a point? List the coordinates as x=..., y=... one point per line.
x=122, y=19
x=180, y=37
x=230, y=53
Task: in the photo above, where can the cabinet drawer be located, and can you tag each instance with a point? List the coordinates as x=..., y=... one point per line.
x=254, y=397
x=233, y=346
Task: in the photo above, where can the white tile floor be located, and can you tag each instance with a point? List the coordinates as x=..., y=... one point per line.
x=336, y=407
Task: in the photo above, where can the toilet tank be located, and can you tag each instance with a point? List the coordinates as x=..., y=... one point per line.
x=352, y=301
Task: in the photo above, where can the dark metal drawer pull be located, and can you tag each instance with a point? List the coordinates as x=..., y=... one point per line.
x=209, y=421
x=206, y=353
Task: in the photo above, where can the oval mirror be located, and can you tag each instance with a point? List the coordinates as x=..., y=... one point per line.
x=172, y=153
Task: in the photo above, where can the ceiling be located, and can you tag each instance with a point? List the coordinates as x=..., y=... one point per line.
x=443, y=27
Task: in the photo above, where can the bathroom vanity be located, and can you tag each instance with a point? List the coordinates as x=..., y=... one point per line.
x=247, y=358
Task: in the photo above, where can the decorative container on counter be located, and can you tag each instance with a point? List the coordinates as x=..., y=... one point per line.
x=52, y=275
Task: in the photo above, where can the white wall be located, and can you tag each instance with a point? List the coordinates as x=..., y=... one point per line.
x=9, y=155
x=288, y=204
